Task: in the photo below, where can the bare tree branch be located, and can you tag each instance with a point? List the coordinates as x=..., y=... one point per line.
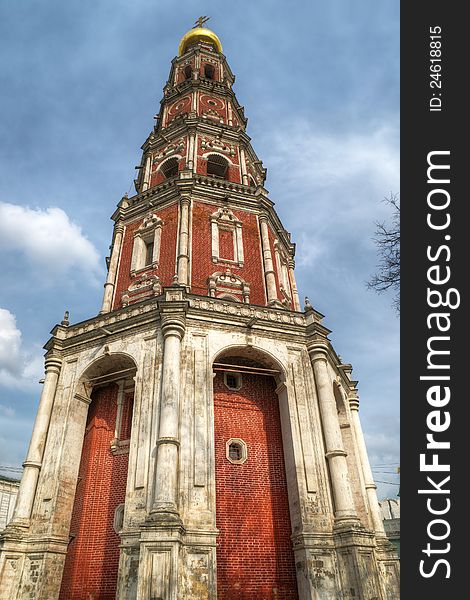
x=387, y=240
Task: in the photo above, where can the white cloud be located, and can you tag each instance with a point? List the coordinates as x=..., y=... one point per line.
x=10, y=343
x=7, y=411
x=335, y=181
x=18, y=368
x=51, y=243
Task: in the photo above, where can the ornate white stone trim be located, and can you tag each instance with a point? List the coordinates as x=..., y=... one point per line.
x=226, y=220
x=149, y=232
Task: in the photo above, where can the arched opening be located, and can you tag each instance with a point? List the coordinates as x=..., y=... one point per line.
x=209, y=71
x=91, y=564
x=188, y=72
x=217, y=166
x=170, y=168
x=254, y=548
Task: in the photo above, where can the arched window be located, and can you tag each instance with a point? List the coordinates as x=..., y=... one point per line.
x=188, y=72
x=170, y=168
x=217, y=166
x=209, y=72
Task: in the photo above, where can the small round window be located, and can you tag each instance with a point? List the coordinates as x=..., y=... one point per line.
x=236, y=451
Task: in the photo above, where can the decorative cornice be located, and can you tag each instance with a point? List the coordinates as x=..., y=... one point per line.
x=278, y=316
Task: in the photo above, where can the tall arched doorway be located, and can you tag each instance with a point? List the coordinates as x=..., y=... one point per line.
x=255, y=559
x=92, y=560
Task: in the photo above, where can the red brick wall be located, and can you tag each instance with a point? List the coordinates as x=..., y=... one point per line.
x=255, y=560
x=167, y=264
x=202, y=265
x=226, y=244
x=93, y=555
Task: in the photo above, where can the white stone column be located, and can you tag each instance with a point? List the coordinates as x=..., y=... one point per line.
x=33, y=462
x=146, y=181
x=335, y=454
x=371, y=488
x=112, y=271
x=190, y=152
x=293, y=285
x=165, y=503
x=243, y=167
x=183, y=242
x=268, y=261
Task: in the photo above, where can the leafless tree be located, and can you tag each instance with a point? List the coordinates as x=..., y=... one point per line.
x=387, y=240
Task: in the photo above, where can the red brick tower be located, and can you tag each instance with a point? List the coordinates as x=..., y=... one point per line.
x=200, y=437
x=213, y=229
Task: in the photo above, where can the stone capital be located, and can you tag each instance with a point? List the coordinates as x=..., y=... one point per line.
x=185, y=199
x=318, y=351
x=119, y=227
x=173, y=325
x=353, y=403
x=53, y=364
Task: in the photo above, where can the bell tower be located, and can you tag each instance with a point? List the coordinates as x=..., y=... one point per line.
x=199, y=437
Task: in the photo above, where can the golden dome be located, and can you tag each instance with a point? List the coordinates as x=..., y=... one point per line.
x=199, y=34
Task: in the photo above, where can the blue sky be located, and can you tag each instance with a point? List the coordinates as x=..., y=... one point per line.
x=81, y=81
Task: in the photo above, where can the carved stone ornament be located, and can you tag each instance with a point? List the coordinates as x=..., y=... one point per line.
x=227, y=284
x=216, y=144
x=150, y=222
x=145, y=286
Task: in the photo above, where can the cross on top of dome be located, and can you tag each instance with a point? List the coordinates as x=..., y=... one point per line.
x=200, y=22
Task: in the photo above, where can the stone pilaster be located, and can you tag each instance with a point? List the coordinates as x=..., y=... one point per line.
x=335, y=454
x=33, y=462
x=112, y=271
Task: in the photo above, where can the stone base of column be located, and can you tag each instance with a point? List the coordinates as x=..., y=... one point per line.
x=16, y=529
x=159, y=561
x=173, y=564
x=347, y=522
x=35, y=575
x=360, y=565
x=389, y=566
x=316, y=566
x=164, y=517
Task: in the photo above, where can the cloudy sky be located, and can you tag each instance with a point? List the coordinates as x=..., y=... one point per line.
x=81, y=81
